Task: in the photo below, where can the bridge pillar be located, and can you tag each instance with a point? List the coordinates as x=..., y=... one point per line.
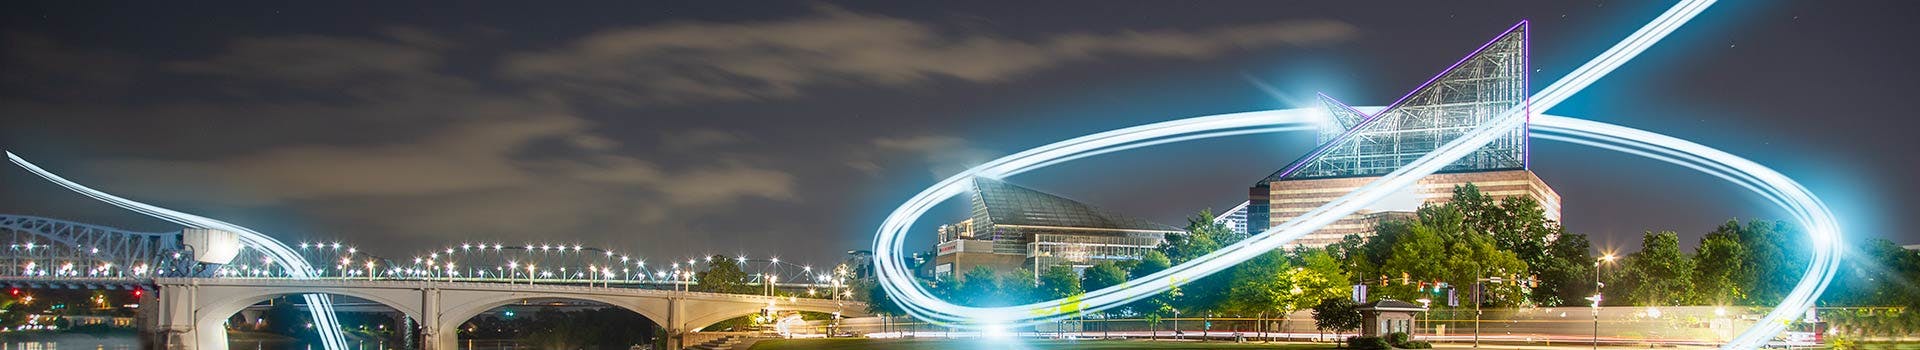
x=169, y=321
x=435, y=334
x=676, y=333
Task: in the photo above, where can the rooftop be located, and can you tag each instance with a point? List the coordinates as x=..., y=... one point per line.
x=997, y=202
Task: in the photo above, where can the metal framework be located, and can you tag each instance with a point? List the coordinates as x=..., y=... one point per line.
x=39, y=246
x=1471, y=93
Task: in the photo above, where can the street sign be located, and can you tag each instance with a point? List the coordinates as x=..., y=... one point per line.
x=1479, y=291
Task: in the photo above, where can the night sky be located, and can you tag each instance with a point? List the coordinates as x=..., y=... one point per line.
x=792, y=128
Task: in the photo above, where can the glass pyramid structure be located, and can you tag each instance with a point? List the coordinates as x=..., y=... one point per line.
x=1474, y=90
x=1489, y=81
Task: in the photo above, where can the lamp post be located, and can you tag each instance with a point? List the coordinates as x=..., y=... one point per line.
x=1423, y=314
x=1607, y=259
x=1176, y=324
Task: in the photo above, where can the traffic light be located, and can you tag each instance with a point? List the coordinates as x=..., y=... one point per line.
x=137, y=293
x=13, y=291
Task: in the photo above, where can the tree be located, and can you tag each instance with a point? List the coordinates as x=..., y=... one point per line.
x=284, y=318
x=1519, y=225
x=723, y=275
x=1568, y=276
x=1664, y=273
x=1260, y=286
x=1208, y=292
x=977, y=287
x=1773, y=262
x=1105, y=274
x=1060, y=282
x=1153, y=261
x=1336, y=315
x=1473, y=257
x=878, y=301
x=1017, y=287
x=1323, y=276
x=1716, y=270
x=1102, y=275
x=1879, y=278
x=1418, y=254
x=1198, y=240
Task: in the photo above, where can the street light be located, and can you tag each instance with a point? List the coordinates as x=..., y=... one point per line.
x=1423, y=314
x=1606, y=259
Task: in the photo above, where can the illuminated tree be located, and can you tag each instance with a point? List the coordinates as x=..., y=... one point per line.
x=723, y=275
x=1567, y=277
x=1716, y=271
x=1663, y=272
x=978, y=287
x=1018, y=287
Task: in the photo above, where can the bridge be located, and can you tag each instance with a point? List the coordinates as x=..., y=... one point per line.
x=192, y=300
x=190, y=313
x=201, y=276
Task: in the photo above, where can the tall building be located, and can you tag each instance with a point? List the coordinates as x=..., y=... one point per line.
x=1013, y=227
x=1235, y=219
x=1475, y=90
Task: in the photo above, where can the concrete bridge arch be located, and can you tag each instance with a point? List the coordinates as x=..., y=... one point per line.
x=461, y=306
x=188, y=313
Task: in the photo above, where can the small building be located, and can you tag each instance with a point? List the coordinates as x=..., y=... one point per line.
x=1386, y=316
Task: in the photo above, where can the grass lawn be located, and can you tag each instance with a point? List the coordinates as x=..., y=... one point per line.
x=1009, y=344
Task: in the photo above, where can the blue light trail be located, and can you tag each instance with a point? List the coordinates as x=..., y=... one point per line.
x=321, y=305
x=897, y=280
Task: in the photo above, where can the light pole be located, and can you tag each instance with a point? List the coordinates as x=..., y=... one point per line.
x=1176, y=324
x=1596, y=297
x=1423, y=314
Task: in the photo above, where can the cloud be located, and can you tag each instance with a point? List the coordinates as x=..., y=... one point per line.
x=696, y=139
x=37, y=66
x=401, y=64
x=420, y=153
x=315, y=59
x=692, y=61
x=463, y=157
x=943, y=155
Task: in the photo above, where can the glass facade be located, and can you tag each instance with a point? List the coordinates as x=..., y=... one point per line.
x=1472, y=92
x=1481, y=87
x=1078, y=250
x=1026, y=228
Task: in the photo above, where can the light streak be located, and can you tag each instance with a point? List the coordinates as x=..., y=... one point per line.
x=321, y=305
x=898, y=283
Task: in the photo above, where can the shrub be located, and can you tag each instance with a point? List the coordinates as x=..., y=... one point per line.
x=1368, y=343
x=1416, y=345
x=1397, y=338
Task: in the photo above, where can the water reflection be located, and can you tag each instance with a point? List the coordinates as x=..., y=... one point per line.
x=121, y=341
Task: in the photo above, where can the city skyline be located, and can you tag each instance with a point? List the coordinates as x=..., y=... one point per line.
x=503, y=134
